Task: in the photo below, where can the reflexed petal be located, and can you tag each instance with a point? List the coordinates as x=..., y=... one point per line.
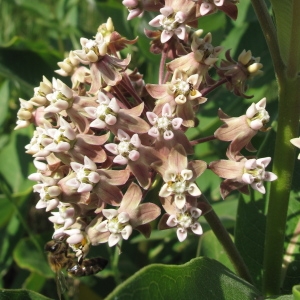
x=135, y=140
x=91, y=111
x=247, y=178
x=164, y=191
x=126, y=232
x=84, y=188
x=88, y=163
x=165, y=36
x=180, y=201
x=109, y=213
x=172, y=221
x=269, y=176
x=168, y=135
x=94, y=177
x=134, y=155
x=123, y=217
x=250, y=164
x=196, y=228
x=181, y=234
x=152, y=117
x=113, y=239
x=195, y=212
x=186, y=174
x=119, y=159
x=73, y=183
x=156, y=22
x=193, y=190
x=176, y=123
x=110, y=119
x=259, y=187
x=113, y=148
x=263, y=161
x=97, y=123
x=166, y=110
x=102, y=227
x=76, y=166
x=153, y=131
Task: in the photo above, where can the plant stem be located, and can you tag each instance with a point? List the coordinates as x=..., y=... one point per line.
x=114, y=258
x=227, y=243
x=283, y=163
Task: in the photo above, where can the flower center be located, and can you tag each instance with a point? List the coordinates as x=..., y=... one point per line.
x=125, y=148
x=184, y=220
x=103, y=111
x=115, y=226
x=57, y=95
x=169, y=23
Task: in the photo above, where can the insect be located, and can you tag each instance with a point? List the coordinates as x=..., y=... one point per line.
x=60, y=257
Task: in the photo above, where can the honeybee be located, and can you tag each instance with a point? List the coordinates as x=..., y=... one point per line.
x=60, y=257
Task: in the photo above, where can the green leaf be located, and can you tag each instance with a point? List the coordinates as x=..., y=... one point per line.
x=27, y=256
x=201, y=278
x=287, y=26
x=34, y=282
x=250, y=233
x=296, y=292
x=20, y=294
x=4, y=98
x=211, y=248
x=16, y=164
x=291, y=259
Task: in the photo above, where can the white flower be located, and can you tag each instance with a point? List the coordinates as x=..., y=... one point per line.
x=186, y=219
x=126, y=149
x=171, y=23
x=86, y=175
x=179, y=185
x=257, y=114
x=117, y=224
x=165, y=124
x=255, y=174
x=105, y=113
x=61, y=98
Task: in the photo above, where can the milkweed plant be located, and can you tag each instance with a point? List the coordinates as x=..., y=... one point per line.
x=113, y=153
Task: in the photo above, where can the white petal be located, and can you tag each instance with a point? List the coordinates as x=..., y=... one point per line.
x=123, y=217
x=126, y=232
x=196, y=228
x=172, y=221
x=181, y=234
x=113, y=239
x=180, y=201
x=102, y=227
x=109, y=213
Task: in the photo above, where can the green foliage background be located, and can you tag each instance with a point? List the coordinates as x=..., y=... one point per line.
x=34, y=36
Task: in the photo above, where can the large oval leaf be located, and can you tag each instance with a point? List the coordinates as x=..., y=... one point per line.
x=201, y=278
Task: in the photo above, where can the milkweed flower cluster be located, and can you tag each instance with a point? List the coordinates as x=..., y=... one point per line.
x=99, y=146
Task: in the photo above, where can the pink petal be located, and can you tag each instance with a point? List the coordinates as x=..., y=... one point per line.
x=181, y=234
x=172, y=221
x=113, y=239
x=197, y=229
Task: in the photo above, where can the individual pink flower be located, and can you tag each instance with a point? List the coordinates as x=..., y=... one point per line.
x=61, y=98
x=120, y=223
x=63, y=218
x=179, y=176
x=240, y=130
x=239, y=174
x=86, y=175
x=165, y=125
x=181, y=94
x=109, y=115
x=171, y=23
x=24, y=114
x=185, y=219
x=131, y=152
x=49, y=193
x=200, y=60
x=136, y=8
x=296, y=142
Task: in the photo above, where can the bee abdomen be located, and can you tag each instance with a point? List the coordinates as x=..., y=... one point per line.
x=88, y=267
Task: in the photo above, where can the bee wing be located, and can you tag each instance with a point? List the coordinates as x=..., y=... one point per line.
x=61, y=283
